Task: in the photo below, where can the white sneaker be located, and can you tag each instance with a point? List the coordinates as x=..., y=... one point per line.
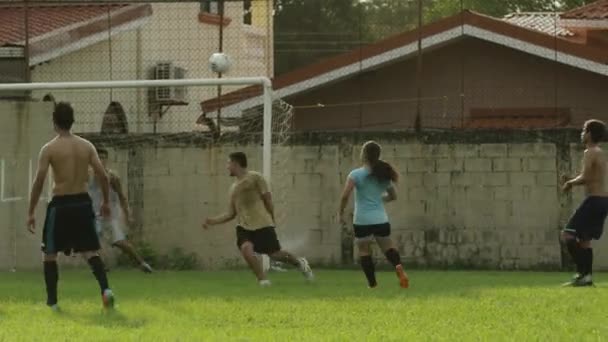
x=277, y=268
x=264, y=283
x=55, y=308
x=306, y=270
x=146, y=268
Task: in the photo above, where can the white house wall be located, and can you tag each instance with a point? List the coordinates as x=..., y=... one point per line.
x=174, y=34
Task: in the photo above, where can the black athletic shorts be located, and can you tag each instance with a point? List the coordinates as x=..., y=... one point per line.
x=70, y=225
x=587, y=222
x=264, y=240
x=375, y=230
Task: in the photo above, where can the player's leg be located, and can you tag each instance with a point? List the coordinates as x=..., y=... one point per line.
x=582, y=255
x=51, y=278
x=569, y=240
x=574, y=229
x=365, y=259
x=267, y=242
x=363, y=239
x=253, y=262
x=49, y=258
x=101, y=234
x=300, y=262
x=382, y=234
x=126, y=247
x=245, y=245
x=591, y=228
x=121, y=242
x=104, y=256
x=586, y=260
x=85, y=240
x=99, y=271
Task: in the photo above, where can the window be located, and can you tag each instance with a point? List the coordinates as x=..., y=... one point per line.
x=247, y=9
x=210, y=13
x=211, y=6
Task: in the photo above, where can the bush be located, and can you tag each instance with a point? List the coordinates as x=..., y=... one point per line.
x=176, y=259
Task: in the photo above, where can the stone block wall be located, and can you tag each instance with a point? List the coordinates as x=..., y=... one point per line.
x=465, y=199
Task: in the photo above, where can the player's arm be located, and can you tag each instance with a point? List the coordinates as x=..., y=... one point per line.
x=267, y=198
x=221, y=219
x=266, y=195
x=116, y=185
x=102, y=176
x=44, y=161
x=391, y=194
x=348, y=189
x=585, y=174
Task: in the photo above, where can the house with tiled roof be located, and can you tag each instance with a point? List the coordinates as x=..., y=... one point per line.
x=527, y=70
x=596, y=11
x=59, y=42
x=546, y=22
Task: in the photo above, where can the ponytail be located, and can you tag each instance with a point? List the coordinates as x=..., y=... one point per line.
x=384, y=172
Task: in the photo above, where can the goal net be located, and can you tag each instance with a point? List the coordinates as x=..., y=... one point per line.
x=168, y=141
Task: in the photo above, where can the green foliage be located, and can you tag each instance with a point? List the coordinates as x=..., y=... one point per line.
x=176, y=259
x=309, y=30
x=306, y=31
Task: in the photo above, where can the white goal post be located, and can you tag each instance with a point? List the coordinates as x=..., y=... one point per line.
x=237, y=81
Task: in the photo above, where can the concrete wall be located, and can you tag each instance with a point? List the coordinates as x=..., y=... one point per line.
x=467, y=199
x=172, y=34
x=24, y=128
x=482, y=199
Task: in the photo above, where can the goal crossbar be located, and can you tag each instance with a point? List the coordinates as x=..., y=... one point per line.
x=265, y=82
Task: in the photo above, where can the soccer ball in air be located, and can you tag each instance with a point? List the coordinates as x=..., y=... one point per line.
x=219, y=62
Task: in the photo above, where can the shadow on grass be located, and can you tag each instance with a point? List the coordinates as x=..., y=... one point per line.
x=241, y=285
x=330, y=284
x=103, y=318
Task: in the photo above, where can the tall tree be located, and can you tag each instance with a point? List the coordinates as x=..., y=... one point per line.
x=309, y=30
x=306, y=31
x=383, y=18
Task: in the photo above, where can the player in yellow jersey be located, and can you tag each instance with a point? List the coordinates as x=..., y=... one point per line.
x=251, y=204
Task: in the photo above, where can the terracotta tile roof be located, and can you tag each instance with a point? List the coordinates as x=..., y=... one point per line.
x=56, y=30
x=45, y=19
x=593, y=11
x=316, y=74
x=518, y=118
x=545, y=22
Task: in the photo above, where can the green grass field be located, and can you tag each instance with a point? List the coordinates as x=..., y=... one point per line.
x=229, y=306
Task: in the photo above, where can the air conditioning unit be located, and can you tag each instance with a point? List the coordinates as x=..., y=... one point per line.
x=168, y=71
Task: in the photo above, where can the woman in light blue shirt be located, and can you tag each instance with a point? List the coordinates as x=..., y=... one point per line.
x=374, y=185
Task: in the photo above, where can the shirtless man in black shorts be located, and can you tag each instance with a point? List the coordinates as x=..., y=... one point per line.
x=69, y=226
x=587, y=223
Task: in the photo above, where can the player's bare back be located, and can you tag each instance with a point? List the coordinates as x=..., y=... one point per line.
x=69, y=157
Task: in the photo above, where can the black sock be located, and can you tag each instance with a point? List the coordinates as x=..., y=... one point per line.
x=367, y=264
x=99, y=271
x=575, y=253
x=587, y=260
x=51, y=277
x=393, y=257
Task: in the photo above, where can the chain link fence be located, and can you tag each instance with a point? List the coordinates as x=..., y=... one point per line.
x=343, y=64
x=97, y=41
x=337, y=65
